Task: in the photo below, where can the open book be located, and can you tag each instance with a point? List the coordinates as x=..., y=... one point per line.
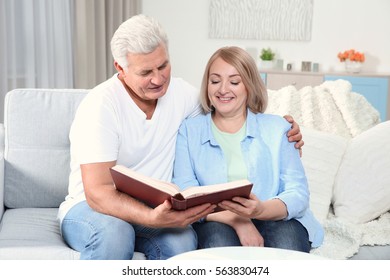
x=154, y=192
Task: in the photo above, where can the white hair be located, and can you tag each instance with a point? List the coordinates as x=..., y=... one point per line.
x=138, y=34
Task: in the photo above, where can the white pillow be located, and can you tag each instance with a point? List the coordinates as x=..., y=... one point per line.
x=362, y=186
x=321, y=157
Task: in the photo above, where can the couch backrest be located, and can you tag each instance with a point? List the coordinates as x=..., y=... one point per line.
x=37, y=123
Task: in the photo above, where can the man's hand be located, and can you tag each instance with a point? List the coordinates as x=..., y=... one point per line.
x=294, y=135
x=163, y=216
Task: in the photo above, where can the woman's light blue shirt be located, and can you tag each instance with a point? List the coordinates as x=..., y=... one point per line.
x=273, y=164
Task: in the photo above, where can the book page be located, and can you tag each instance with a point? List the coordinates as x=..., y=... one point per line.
x=201, y=190
x=167, y=187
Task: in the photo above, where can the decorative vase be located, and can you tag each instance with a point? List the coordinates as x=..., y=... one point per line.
x=266, y=64
x=353, y=66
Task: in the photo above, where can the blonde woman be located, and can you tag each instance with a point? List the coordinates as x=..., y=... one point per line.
x=234, y=139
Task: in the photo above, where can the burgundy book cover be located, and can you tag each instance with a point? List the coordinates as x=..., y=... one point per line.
x=139, y=190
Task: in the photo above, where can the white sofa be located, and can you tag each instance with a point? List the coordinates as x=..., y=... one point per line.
x=34, y=169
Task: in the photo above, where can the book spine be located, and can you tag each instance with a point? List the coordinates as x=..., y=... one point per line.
x=178, y=204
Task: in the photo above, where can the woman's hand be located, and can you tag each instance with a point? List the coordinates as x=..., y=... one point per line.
x=249, y=208
x=253, y=208
x=244, y=227
x=249, y=235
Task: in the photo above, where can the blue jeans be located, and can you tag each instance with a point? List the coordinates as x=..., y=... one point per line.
x=289, y=234
x=98, y=236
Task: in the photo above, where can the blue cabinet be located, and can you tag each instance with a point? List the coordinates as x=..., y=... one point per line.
x=375, y=89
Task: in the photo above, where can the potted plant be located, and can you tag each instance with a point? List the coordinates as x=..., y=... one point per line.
x=267, y=58
x=267, y=54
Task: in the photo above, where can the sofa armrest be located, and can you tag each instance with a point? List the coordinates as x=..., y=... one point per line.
x=2, y=141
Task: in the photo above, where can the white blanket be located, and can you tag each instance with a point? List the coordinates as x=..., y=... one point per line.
x=343, y=239
x=331, y=107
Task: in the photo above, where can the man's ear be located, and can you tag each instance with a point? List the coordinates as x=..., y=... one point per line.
x=119, y=68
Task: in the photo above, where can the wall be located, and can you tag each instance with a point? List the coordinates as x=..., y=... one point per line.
x=337, y=26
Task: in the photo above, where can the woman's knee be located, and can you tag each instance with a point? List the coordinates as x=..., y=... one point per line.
x=160, y=244
x=214, y=234
x=289, y=234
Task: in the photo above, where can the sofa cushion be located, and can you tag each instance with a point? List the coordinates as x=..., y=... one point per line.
x=33, y=233
x=362, y=185
x=37, y=123
x=321, y=158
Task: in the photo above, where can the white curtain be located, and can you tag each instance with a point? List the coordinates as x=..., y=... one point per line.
x=58, y=43
x=3, y=56
x=35, y=45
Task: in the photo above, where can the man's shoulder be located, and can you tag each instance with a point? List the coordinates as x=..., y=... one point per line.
x=180, y=81
x=183, y=97
x=104, y=92
x=105, y=88
x=196, y=121
x=201, y=118
x=177, y=83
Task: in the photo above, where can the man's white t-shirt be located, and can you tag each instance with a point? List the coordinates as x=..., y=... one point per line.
x=109, y=126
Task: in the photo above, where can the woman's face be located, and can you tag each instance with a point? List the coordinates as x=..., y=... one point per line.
x=226, y=91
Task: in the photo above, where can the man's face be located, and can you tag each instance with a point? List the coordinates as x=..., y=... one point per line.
x=148, y=75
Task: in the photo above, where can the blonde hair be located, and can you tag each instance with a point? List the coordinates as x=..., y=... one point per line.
x=246, y=66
